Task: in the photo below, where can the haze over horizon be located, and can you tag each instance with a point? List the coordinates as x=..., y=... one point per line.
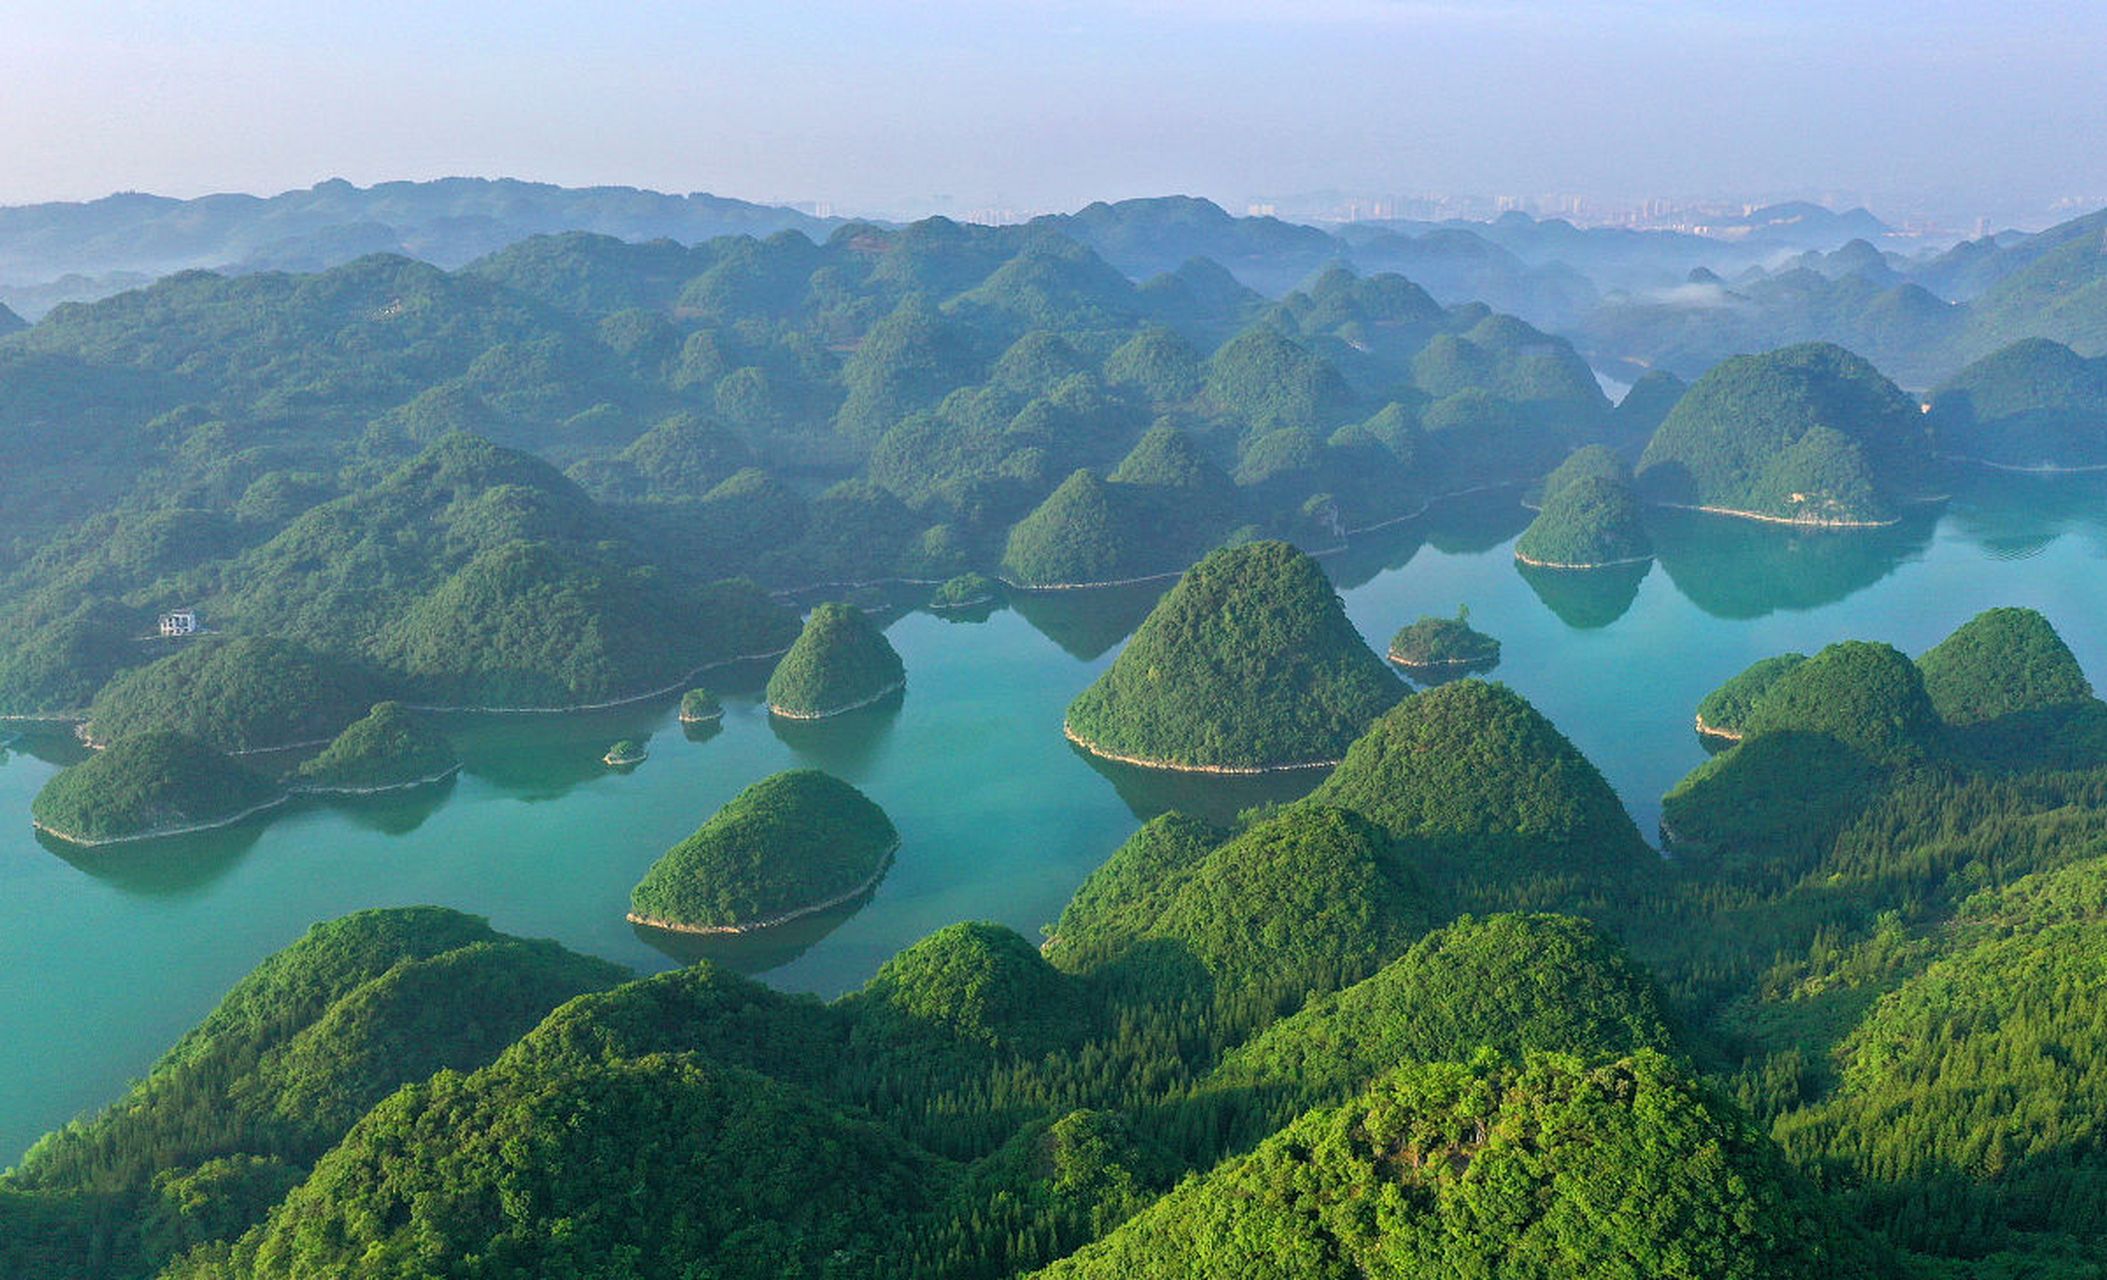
x=901, y=110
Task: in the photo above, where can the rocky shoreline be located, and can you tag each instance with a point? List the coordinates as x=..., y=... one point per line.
x=885, y=863
x=1172, y=766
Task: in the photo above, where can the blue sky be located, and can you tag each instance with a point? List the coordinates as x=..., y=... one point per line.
x=901, y=107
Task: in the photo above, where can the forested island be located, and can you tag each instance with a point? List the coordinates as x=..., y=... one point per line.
x=787, y=846
x=153, y=784
x=388, y=749
x=841, y=662
x=1435, y=644
x=1247, y=665
x=1589, y=517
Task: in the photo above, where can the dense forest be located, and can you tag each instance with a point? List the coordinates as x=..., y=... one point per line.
x=1449, y=1011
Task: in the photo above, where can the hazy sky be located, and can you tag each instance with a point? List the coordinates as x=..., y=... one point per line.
x=899, y=107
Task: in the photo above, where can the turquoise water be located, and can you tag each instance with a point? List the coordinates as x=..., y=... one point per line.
x=106, y=957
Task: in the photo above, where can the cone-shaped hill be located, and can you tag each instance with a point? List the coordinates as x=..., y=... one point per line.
x=1626, y=1168
x=2002, y=662
x=388, y=748
x=2037, y=405
x=1159, y=510
x=1809, y=434
x=1301, y=902
x=1868, y=696
x=1475, y=759
x=791, y=844
x=1248, y=664
x=1590, y=517
x=841, y=661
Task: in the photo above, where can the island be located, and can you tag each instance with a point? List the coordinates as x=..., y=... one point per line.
x=147, y=786
x=622, y=754
x=387, y=750
x=700, y=706
x=789, y=845
x=1805, y=435
x=966, y=591
x=1436, y=644
x=1247, y=665
x=2034, y=406
x=1590, y=517
x=841, y=662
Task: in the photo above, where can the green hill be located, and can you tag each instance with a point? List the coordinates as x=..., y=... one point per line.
x=1724, y=712
x=1587, y=523
x=2002, y=662
x=1808, y=434
x=785, y=846
x=841, y=661
x=242, y=693
x=1248, y=663
x=1433, y=642
x=388, y=748
x=288, y=1061
x=700, y=706
x=1867, y=696
x=1309, y=900
x=1160, y=509
x=149, y=785
x=1550, y=1168
x=1966, y=1113
x=1473, y=759
x=2036, y=405
x=980, y=983
x=1516, y=983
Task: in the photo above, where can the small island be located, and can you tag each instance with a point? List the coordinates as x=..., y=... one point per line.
x=1439, y=644
x=388, y=750
x=625, y=753
x=700, y=706
x=966, y=591
x=1590, y=517
x=841, y=662
x=1248, y=665
x=789, y=845
x=147, y=786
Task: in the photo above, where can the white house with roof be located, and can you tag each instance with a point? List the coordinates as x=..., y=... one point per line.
x=179, y=622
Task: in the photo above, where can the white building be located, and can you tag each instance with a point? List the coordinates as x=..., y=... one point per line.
x=179, y=622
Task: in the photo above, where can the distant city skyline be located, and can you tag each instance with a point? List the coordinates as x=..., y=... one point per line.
x=1939, y=111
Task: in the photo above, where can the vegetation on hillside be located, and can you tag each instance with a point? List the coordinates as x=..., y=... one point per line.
x=147, y=785
x=241, y=693
x=1249, y=662
x=841, y=660
x=1809, y=434
x=388, y=747
x=2033, y=405
x=1590, y=517
x=788, y=843
x=1435, y=642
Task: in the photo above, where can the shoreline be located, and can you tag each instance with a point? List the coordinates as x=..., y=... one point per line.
x=1599, y=564
x=958, y=605
x=2045, y=469
x=1708, y=731
x=1391, y=657
x=623, y=701
x=162, y=833
x=1797, y=522
x=426, y=781
x=1174, y=767
x=885, y=863
x=880, y=696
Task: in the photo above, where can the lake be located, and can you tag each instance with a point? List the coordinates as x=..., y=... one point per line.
x=107, y=956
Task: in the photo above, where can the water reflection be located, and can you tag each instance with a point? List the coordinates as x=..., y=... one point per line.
x=1086, y=624
x=752, y=953
x=845, y=744
x=172, y=867
x=1586, y=599
x=1428, y=677
x=2013, y=517
x=1470, y=523
x=1374, y=552
x=395, y=813
x=1742, y=569
x=1217, y=797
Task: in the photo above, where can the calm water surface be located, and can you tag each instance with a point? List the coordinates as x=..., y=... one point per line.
x=106, y=957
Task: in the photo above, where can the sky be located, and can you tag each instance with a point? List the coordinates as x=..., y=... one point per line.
x=903, y=108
